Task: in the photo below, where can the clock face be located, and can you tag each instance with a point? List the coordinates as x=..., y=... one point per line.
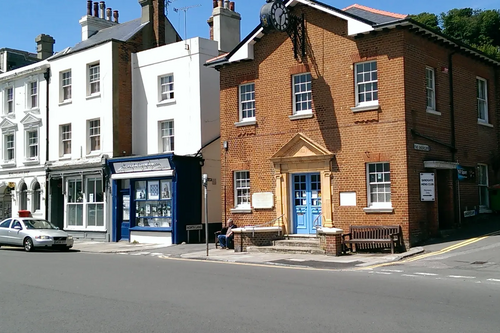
x=279, y=16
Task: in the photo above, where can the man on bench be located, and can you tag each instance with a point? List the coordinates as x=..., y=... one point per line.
x=227, y=238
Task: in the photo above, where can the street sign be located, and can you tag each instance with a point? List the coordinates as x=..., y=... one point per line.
x=194, y=227
x=420, y=147
x=427, y=191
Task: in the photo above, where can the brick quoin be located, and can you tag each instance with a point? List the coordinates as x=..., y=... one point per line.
x=384, y=135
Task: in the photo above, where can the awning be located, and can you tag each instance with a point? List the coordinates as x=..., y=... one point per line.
x=440, y=165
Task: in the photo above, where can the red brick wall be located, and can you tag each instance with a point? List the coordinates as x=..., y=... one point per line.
x=246, y=239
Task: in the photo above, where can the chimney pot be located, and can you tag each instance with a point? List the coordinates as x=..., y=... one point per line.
x=115, y=16
x=102, y=6
x=231, y=5
x=89, y=7
x=226, y=4
x=219, y=3
x=108, y=14
x=96, y=9
x=214, y=3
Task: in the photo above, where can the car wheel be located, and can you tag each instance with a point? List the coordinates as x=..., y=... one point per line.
x=28, y=244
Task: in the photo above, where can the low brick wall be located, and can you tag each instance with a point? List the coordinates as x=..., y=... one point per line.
x=330, y=240
x=255, y=236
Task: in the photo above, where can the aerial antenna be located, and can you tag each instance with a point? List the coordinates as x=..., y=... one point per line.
x=185, y=9
x=168, y=4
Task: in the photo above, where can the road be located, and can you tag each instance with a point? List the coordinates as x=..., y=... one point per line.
x=83, y=292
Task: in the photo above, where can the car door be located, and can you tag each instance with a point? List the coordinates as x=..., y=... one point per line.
x=16, y=233
x=4, y=231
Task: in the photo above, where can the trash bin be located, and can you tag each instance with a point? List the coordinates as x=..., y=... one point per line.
x=24, y=213
x=495, y=197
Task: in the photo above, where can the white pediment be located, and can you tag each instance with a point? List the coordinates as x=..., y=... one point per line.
x=300, y=146
x=7, y=125
x=31, y=121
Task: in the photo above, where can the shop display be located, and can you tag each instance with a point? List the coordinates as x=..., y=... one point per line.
x=154, y=211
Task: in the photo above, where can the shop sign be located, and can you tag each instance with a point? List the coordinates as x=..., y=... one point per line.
x=466, y=173
x=469, y=213
x=142, y=166
x=420, y=147
x=427, y=192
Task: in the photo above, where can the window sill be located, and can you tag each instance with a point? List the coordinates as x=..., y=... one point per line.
x=298, y=116
x=361, y=108
x=166, y=102
x=83, y=229
x=8, y=164
x=246, y=123
x=482, y=123
x=371, y=210
x=93, y=154
x=31, y=162
x=64, y=157
x=97, y=95
x=66, y=102
x=430, y=111
x=241, y=210
x=34, y=110
x=9, y=115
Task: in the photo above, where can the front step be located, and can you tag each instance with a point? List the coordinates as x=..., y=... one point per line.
x=285, y=249
x=297, y=242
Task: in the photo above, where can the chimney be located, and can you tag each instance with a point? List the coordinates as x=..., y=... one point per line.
x=153, y=11
x=225, y=25
x=44, y=46
x=93, y=22
x=115, y=16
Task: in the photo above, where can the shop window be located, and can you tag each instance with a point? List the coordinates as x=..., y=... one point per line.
x=75, y=203
x=153, y=203
x=95, y=203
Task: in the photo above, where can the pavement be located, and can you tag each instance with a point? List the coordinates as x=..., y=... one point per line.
x=488, y=225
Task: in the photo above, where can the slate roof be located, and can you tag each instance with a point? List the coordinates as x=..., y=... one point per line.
x=373, y=15
x=121, y=32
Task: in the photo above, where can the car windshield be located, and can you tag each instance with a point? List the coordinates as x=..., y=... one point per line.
x=38, y=224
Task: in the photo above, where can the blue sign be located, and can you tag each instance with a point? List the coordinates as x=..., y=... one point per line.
x=466, y=173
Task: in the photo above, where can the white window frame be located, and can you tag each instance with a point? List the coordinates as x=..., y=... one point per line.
x=482, y=187
x=374, y=183
x=430, y=88
x=94, y=79
x=94, y=134
x=77, y=201
x=9, y=100
x=66, y=86
x=482, y=100
x=247, y=101
x=65, y=139
x=302, y=93
x=7, y=148
x=36, y=202
x=32, y=144
x=91, y=201
x=23, y=196
x=167, y=136
x=166, y=91
x=362, y=84
x=242, y=189
x=85, y=199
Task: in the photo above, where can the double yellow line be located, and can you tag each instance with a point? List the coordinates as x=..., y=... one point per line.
x=431, y=254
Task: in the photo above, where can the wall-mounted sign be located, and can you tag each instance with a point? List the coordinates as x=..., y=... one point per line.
x=194, y=227
x=420, y=147
x=141, y=166
x=469, y=213
x=264, y=200
x=427, y=189
x=466, y=173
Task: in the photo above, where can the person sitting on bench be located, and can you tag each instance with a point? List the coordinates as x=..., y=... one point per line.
x=227, y=238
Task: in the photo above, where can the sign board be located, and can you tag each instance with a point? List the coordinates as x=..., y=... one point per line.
x=417, y=146
x=194, y=227
x=263, y=200
x=427, y=189
x=469, y=213
x=142, y=166
x=466, y=173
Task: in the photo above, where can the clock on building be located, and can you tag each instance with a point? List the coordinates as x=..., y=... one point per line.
x=274, y=14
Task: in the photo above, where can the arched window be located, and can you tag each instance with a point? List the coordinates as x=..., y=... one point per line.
x=23, y=202
x=37, y=196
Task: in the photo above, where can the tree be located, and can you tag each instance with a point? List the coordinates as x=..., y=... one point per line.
x=428, y=19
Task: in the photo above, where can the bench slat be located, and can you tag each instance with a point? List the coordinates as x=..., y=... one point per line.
x=375, y=236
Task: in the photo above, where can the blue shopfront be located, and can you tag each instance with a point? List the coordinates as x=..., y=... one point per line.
x=155, y=197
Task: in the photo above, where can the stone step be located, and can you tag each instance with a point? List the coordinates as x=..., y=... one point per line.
x=298, y=242
x=285, y=249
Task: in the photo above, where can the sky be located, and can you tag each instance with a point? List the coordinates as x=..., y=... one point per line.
x=22, y=20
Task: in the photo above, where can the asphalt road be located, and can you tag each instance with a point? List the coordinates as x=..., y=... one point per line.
x=80, y=292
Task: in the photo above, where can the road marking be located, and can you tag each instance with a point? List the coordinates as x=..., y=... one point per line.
x=392, y=270
x=461, y=277
x=410, y=275
x=493, y=280
x=427, y=274
x=383, y=273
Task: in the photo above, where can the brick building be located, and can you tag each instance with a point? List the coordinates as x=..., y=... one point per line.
x=355, y=116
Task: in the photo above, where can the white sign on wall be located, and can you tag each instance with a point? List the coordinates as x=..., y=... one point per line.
x=348, y=198
x=427, y=187
x=263, y=200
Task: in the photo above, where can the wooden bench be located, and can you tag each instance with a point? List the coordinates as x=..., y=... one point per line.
x=365, y=237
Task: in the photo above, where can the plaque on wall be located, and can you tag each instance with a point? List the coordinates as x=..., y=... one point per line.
x=263, y=200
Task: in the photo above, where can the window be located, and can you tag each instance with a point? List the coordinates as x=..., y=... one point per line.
x=65, y=131
x=37, y=196
x=95, y=135
x=66, y=86
x=247, y=101
x=23, y=197
x=95, y=202
x=379, y=185
x=9, y=100
x=75, y=203
x=5, y=224
x=33, y=95
x=166, y=87
x=32, y=144
x=9, y=147
x=482, y=100
x=242, y=189
x=302, y=93
x=430, y=86
x=94, y=79
x=167, y=136
x=482, y=184
x=366, y=83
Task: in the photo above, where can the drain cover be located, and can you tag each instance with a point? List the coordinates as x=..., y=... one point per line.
x=479, y=262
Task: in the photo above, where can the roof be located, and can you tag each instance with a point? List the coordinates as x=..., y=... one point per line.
x=360, y=20
x=120, y=32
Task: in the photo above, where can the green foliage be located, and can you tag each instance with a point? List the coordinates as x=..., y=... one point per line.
x=475, y=27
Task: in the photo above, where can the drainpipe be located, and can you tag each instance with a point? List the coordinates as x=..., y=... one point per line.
x=46, y=75
x=456, y=189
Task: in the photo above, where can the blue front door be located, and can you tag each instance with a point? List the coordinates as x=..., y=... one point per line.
x=306, y=203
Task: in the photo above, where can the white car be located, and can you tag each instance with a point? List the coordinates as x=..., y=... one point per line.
x=31, y=233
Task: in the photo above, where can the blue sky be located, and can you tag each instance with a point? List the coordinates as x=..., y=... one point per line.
x=25, y=19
